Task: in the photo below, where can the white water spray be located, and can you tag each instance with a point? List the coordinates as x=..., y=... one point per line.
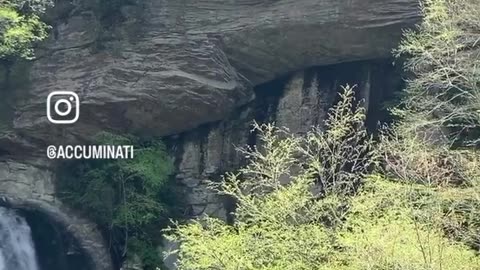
x=17, y=251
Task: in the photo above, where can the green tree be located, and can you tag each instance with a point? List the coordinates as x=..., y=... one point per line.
x=21, y=27
x=125, y=197
x=443, y=56
x=305, y=203
x=436, y=140
x=401, y=225
x=279, y=222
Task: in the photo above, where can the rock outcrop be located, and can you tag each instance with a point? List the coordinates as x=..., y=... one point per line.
x=166, y=67
x=30, y=187
x=297, y=102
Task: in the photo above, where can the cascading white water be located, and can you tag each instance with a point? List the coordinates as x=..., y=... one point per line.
x=17, y=251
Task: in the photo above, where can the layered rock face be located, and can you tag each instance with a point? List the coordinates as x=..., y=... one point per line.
x=168, y=66
x=188, y=67
x=30, y=188
x=298, y=102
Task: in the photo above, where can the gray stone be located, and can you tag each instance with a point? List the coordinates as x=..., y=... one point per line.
x=172, y=65
x=204, y=154
x=29, y=185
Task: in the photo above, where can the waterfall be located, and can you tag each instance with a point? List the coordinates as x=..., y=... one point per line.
x=17, y=251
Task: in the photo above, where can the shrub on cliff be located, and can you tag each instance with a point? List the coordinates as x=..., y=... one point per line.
x=281, y=222
x=401, y=225
x=21, y=27
x=443, y=55
x=436, y=140
x=125, y=197
x=307, y=203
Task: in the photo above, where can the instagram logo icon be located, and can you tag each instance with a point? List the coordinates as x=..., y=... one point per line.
x=63, y=107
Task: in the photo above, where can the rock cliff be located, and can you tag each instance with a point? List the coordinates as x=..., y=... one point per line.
x=186, y=69
x=298, y=102
x=165, y=67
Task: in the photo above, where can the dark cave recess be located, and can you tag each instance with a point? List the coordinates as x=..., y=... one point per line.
x=55, y=247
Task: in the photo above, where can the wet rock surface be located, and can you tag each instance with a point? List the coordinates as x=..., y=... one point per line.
x=29, y=187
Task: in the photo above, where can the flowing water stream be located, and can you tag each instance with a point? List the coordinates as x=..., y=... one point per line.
x=17, y=251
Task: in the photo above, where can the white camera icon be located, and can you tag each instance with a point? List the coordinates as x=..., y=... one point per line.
x=63, y=103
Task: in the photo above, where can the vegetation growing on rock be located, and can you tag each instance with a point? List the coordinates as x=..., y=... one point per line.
x=444, y=56
x=309, y=202
x=284, y=226
x=125, y=197
x=21, y=27
x=330, y=217
x=418, y=209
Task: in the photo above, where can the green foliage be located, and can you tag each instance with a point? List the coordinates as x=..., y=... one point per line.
x=306, y=203
x=128, y=195
x=443, y=54
x=462, y=206
x=147, y=252
x=341, y=154
x=279, y=223
x=21, y=27
x=303, y=204
x=436, y=141
x=31, y=6
x=425, y=156
x=395, y=225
